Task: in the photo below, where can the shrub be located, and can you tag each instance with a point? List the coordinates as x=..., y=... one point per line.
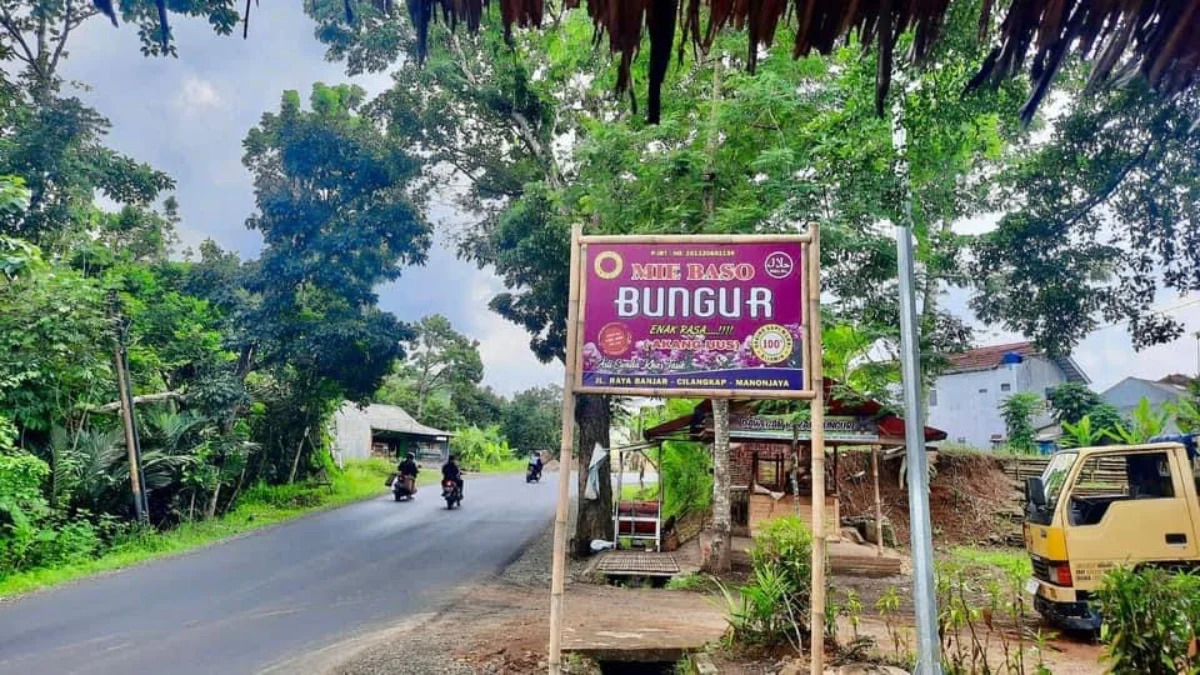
x=686, y=481
x=786, y=543
x=477, y=448
x=64, y=543
x=774, y=607
x=1151, y=621
x=1017, y=411
x=22, y=509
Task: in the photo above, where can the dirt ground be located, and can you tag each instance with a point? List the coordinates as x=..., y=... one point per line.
x=500, y=626
x=971, y=499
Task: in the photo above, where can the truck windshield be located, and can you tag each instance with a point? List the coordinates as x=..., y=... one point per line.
x=1054, y=478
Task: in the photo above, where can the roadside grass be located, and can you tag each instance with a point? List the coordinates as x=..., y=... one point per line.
x=637, y=493
x=1010, y=560
x=696, y=583
x=513, y=465
x=258, y=507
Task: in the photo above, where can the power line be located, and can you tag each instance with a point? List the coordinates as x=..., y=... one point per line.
x=1165, y=310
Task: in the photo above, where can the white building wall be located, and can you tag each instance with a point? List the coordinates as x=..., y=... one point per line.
x=352, y=433
x=968, y=404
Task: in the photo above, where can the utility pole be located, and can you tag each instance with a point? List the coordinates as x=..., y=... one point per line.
x=1197, y=336
x=924, y=598
x=127, y=420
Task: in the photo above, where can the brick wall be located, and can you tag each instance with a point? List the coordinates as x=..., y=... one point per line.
x=741, y=459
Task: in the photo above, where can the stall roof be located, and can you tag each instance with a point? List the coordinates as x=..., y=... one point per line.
x=889, y=425
x=384, y=417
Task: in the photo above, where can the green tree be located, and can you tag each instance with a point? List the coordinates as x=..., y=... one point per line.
x=1018, y=411
x=55, y=340
x=1073, y=401
x=56, y=146
x=36, y=32
x=333, y=209
x=533, y=420
x=479, y=406
x=440, y=361
x=1097, y=222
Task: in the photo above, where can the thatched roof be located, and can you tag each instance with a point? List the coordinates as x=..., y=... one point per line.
x=1157, y=39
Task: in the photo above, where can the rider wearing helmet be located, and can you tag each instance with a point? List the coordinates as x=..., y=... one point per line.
x=450, y=471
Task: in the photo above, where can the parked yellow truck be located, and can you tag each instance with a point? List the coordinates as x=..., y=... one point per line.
x=1096, y=508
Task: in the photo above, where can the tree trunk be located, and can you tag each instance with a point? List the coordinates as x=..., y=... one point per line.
x=594, y=519
x=296, y=457
x=719, y=559
x=211, y=511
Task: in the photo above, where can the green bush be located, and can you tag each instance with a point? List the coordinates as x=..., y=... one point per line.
x=64, y=543
x=22, y=509
x=774, y=607
x=478, y=448
x=1151, y=621
x=686, y=481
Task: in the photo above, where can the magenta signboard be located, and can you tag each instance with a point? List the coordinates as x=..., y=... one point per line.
x=694, y=316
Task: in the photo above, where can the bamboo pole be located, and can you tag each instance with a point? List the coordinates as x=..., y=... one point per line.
x=817, y=377
x=558, y=574
x=878, y=505
x=127, y=424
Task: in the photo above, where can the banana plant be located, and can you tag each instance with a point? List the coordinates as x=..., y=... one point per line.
x=1082, y=434
x=1147, y=423
x=1187, y=415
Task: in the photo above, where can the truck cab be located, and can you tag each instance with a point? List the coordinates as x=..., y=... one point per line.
x=1097, y=508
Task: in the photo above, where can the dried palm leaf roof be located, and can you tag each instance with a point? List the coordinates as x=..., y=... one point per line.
x=1155, y=39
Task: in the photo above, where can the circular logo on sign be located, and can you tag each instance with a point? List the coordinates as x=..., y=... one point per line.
x=614, y=339
x=608, y=265
x=779, y=265
x=772, y=343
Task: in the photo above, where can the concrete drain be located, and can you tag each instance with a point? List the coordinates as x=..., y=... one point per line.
x=638, y=667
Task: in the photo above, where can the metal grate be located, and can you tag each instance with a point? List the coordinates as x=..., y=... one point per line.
x=1041, y=568
x=633, y=563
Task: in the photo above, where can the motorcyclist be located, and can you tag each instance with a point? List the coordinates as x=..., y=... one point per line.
x=535, y=465
x=408, y=471
x=450, y=471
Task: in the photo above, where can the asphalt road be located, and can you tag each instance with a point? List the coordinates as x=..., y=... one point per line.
x=260, y=601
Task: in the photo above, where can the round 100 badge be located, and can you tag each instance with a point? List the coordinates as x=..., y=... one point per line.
x=772, y=343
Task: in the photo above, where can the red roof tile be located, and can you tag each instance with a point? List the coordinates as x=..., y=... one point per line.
x=985, y=358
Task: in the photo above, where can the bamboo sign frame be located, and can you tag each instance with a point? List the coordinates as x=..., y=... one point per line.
x=702, y=265
x=810, y=387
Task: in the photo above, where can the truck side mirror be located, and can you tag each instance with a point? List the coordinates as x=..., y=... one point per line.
x=1035, y=491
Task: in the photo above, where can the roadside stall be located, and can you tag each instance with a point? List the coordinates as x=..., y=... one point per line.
x=770, y=453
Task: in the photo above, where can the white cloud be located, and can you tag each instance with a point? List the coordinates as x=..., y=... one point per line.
x=508, y=364
x=1107, y=354
x=197, y=95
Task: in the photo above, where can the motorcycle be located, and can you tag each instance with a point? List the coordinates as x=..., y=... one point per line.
x=533, y=474
x=404, y=488
x=451, y=493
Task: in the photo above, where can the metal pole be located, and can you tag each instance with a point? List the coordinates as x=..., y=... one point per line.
x=924, y=598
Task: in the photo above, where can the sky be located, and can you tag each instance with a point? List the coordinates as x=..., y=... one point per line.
x=187, y=116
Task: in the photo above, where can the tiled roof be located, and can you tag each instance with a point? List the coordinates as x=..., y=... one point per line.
x=1177, y=380
x=986, y=358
